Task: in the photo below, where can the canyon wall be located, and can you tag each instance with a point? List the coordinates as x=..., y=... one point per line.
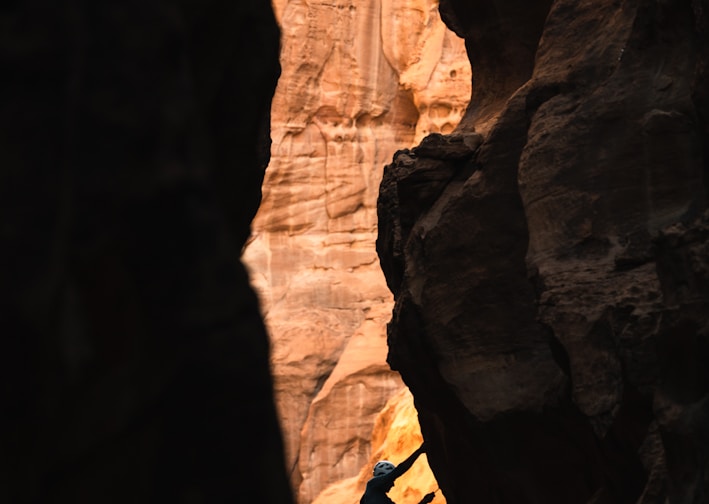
x=134, y=362
x=549, y=259
x=360, y=79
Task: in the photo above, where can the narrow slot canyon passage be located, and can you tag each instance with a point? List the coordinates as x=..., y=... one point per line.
x=360, y=80
x=518, y=275
x=542, y=258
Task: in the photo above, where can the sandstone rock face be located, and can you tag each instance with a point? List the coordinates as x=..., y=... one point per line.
x=359, y=80
x=134, y=364
x=548, y=259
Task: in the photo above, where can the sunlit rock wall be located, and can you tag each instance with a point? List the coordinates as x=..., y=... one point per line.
x=395, y=435
x=360, y=79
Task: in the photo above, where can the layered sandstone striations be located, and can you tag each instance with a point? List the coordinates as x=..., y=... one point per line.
x=549, y=259
x=134, y=362
x=359, y=80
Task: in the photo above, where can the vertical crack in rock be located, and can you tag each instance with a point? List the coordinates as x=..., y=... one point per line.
x=550, y=284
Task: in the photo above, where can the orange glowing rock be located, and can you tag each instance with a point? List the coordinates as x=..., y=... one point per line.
x=360, y=79
x=395, y=436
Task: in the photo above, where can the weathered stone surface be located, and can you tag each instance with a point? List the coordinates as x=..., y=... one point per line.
x=360, y=79
x=551, y=300
x=134, y=364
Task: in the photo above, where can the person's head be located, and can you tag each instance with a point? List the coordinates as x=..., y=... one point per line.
x=383, y=467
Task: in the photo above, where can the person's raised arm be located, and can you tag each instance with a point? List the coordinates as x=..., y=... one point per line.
x=427, y=498
x=406, y=464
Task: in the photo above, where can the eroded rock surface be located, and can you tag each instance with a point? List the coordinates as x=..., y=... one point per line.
x=360, y=79
x=551, y=308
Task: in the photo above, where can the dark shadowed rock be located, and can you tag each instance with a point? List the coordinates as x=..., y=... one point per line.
x=448, y=147
x=134, y=360
x=552, y=312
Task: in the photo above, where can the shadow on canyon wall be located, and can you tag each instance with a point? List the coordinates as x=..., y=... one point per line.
x=134, y=362
x=549, y=259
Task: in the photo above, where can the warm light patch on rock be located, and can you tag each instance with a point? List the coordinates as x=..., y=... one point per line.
x=360, y=79
x=395, y=436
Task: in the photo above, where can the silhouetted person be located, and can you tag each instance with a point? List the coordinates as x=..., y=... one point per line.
x=384, y=475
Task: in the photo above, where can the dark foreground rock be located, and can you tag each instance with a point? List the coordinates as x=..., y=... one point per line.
x=134, y=362
x=552, y=310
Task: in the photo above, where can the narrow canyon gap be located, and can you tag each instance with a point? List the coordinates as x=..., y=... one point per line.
x=360, y=79
x=549, y=260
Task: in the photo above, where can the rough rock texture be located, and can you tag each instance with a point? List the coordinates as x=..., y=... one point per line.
x=134, y=364
x=359, y=79
x=549, y=259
